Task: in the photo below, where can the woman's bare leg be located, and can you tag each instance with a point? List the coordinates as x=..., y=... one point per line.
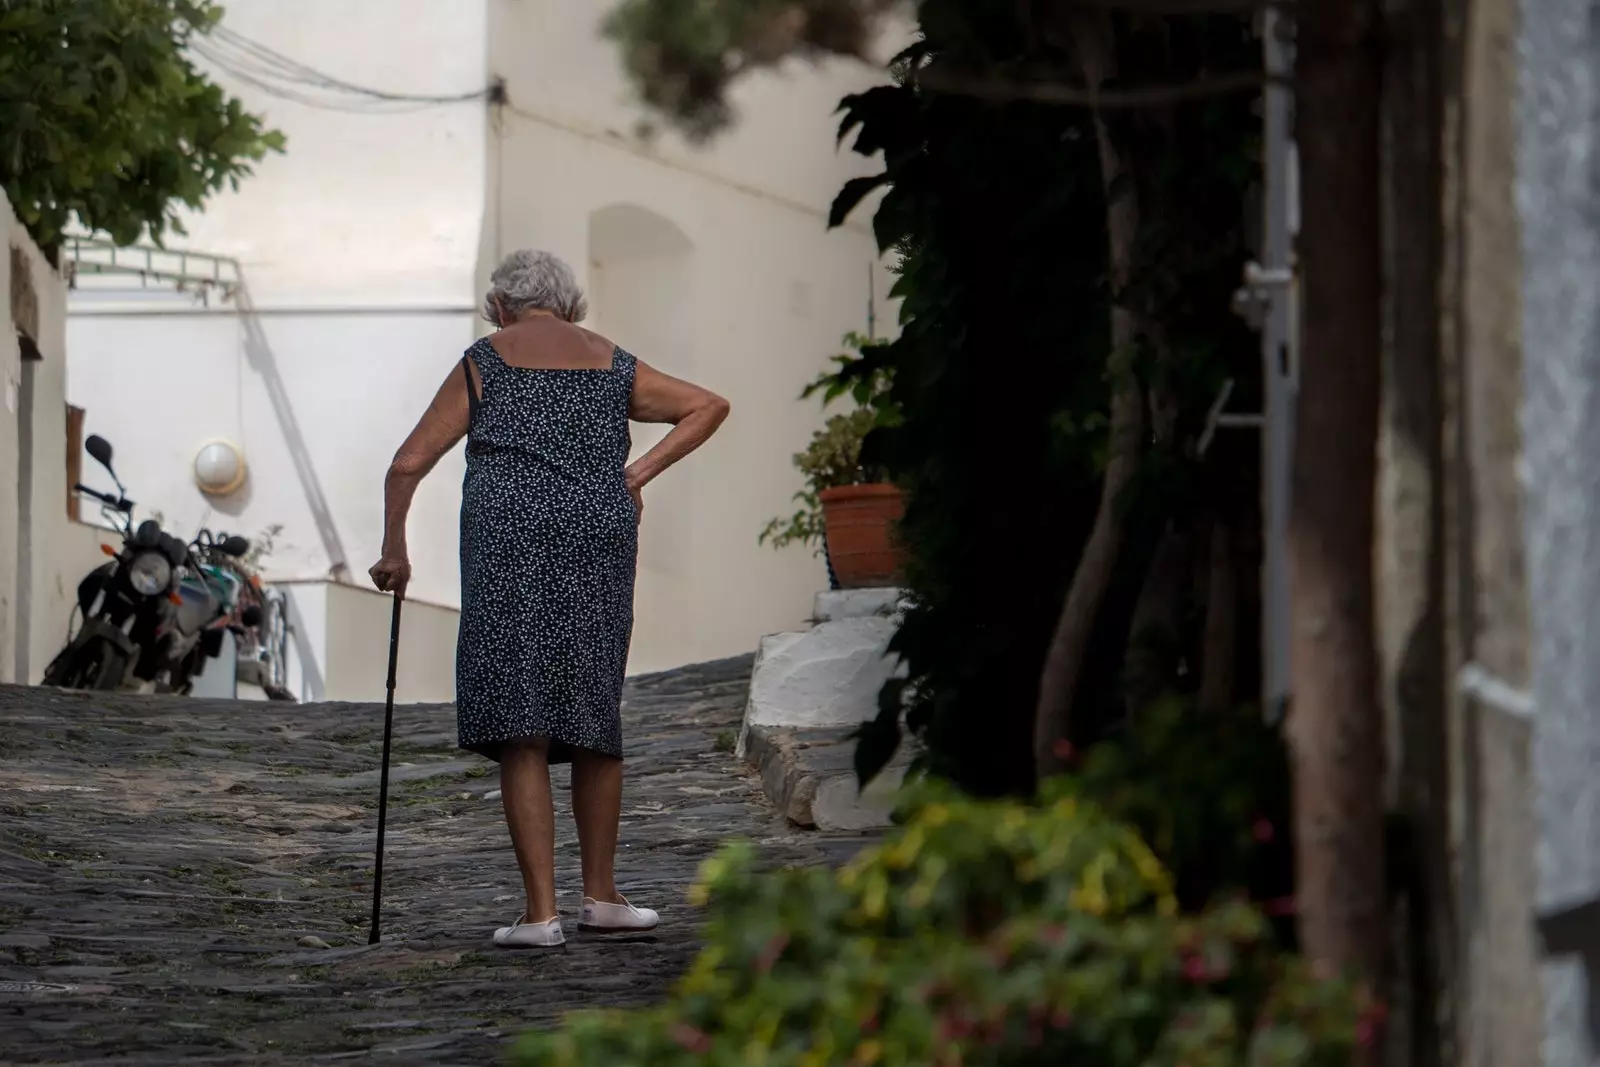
x=597, y=808
x=530, y=815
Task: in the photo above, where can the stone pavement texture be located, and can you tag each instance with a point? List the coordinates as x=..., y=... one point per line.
x=188, y=881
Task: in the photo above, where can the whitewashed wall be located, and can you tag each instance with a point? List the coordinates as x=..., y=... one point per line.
x=358, y=247
x=158, y=386
x=347, y=628
x=42, y=553
x=712, y=264
x=366, y=248
x=364, y=209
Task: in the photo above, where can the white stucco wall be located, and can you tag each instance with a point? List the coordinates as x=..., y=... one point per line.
x=42, y=554
x=159, y=385
x=380, y=207
x=359, y=248
x=347, y=628
x=712, y=264
x=365, y=249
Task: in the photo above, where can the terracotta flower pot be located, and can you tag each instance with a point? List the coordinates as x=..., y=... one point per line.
x=860, y=523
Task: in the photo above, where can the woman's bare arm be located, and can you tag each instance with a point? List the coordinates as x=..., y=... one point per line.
x=444, y=424
x=694, y=413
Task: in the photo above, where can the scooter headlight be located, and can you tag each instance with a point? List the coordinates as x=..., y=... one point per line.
x=149, y=573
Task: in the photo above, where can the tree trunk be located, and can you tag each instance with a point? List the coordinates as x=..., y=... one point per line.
x=1412, y=525
x=1219, y=643
x=1149, y=663
x=1335, y=726
x=1063, y=664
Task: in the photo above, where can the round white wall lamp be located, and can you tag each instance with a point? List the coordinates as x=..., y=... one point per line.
x=219, y=468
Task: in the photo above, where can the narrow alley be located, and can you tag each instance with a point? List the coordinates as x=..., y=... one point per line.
x=189, y=881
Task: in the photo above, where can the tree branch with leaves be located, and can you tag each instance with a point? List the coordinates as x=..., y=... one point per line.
x=105, y=119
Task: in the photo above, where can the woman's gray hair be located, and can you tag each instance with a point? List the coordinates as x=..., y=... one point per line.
x=527, y=280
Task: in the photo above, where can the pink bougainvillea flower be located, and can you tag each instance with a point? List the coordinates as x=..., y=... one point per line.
x=769, y=954
x=1370, y=1025
x=1262, y=830
x=954, y=1027
x=1194, y=968
x=1279, y=907
x=691, y=1039
x=1063, y=749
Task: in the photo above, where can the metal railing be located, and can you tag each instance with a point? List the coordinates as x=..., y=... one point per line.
x=185, y=272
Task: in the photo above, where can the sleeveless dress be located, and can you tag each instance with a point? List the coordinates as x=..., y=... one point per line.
x=549, y=544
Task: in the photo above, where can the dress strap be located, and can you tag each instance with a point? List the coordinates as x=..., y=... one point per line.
x=623, y=364
x=474, y=401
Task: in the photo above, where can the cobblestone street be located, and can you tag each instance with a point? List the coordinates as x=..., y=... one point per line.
x=189, y=881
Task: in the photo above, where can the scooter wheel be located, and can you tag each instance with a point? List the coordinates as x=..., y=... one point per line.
x=98, y=665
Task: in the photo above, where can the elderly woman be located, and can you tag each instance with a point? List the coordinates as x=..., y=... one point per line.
x=549, y=537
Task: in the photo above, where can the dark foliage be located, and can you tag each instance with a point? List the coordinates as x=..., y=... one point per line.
x=998, y=214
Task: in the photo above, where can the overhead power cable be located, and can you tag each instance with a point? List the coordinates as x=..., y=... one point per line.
x=286, y=78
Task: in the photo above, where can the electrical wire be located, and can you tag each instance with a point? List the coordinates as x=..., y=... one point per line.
x=298, y=93
x=286, y=78
x=282, y=92
x=293, y=68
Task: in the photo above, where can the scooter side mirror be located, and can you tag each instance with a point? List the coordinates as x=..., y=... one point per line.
x=236, y=546
x=99, y=449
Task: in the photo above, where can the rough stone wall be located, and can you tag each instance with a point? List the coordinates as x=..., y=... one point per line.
x=1556, y=199
x=1451, y=570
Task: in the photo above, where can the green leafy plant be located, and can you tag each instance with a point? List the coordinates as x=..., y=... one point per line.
x=979, y=933
x=104, y=117
x=834, y=456
x=997, y=210
x=1209, y=792
x=860, y=373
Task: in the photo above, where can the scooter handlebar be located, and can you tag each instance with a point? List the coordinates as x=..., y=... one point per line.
x=120, y=503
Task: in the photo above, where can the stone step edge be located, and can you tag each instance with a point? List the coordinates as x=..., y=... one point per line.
x=794, y=783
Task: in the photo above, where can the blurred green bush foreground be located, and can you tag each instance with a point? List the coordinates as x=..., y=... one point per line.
x=979, y=933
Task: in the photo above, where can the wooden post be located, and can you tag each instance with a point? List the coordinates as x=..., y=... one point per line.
x=1335, y=726
x=74, y=458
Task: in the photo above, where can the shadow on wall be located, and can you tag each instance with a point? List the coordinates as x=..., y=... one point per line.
x=259, y=353
x=305, y=658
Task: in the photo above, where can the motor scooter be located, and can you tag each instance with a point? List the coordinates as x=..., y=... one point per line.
x=151, y=615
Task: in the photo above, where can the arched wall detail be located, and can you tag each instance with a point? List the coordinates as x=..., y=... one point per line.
x=641, y=295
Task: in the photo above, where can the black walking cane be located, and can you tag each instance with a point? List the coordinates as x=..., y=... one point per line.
x=383, y=781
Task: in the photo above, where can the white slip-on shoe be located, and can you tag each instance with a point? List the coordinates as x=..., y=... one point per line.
x=624, y=918
x=519, y=934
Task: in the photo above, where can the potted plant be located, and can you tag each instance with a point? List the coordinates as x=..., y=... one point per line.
x=847, y=508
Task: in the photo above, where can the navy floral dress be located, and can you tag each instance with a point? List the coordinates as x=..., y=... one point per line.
x=549, y=544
